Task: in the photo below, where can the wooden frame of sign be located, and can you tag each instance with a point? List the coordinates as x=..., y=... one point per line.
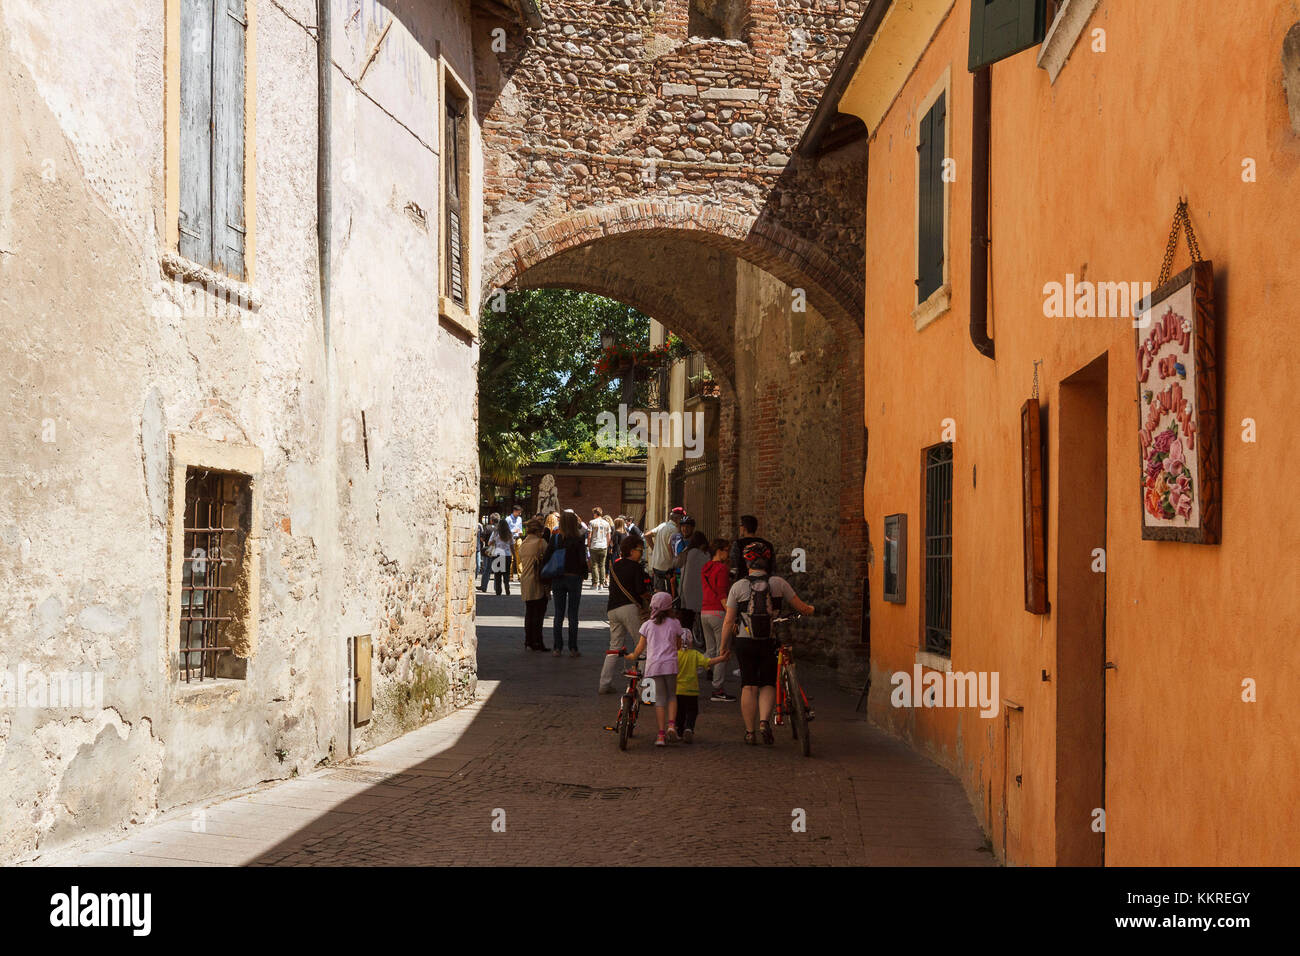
x=1178, y=412
x=894, y=565
x=1035, y=542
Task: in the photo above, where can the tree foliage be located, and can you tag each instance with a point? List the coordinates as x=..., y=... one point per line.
x=538, y=383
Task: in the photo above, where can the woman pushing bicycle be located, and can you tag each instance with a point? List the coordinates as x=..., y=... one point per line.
x=752, y=602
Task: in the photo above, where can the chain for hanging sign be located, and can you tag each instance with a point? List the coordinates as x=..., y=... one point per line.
x=1037, y=362
x=1184, y=221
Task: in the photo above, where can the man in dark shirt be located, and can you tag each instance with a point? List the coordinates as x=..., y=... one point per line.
x=749, y=541
x=629, y=592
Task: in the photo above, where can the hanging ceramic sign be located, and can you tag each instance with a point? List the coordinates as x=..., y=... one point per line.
x=1178, y=428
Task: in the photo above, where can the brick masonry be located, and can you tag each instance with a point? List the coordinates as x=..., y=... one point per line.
x=612, y=119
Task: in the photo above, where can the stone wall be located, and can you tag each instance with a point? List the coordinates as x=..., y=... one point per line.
x=365, y=478
x=798, y=458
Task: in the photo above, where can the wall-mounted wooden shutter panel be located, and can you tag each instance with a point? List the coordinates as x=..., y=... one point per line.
x=929, y=245
x=455, y=258
x=196, y=130
x=229, y=36
x=1002, y=28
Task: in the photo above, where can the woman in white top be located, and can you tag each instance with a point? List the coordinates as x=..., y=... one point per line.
x=502, y=547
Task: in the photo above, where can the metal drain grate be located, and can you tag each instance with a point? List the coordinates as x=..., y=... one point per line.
x=355, y=775
x=580, y=791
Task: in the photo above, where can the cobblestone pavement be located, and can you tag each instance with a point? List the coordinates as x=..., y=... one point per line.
x=532, y=754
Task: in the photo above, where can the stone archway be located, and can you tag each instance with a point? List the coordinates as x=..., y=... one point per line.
x=794, y=260
x=789, y=416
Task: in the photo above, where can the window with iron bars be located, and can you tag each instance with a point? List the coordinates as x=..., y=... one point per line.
x=938, y=550
x=213, y=589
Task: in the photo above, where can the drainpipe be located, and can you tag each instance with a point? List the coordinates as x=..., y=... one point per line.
x=324, y=196
x=324, y=212
x=981, y=111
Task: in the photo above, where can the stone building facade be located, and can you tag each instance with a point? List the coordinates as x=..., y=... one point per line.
x=145, y=381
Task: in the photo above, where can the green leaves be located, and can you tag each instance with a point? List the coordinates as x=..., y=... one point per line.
x=538, y=382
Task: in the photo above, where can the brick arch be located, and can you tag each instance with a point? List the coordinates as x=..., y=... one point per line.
x=790, y=258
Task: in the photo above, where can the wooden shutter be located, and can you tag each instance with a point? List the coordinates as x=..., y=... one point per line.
x=229, y=33
x=1001, y=28
x=196, y=131
x=455, y=248
x=929, y=245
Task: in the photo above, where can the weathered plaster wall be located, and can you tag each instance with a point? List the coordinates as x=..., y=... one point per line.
x=117, y=358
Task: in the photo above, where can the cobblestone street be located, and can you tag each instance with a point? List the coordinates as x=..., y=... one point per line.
x=534, y=746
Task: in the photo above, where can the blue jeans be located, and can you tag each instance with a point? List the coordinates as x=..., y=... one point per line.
x=567, y=589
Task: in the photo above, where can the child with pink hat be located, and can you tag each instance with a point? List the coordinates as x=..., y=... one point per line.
x=661, y=636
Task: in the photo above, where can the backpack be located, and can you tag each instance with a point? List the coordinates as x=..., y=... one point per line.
x=756, y=613
x=554, y=566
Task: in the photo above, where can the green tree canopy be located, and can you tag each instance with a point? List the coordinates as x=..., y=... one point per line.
x=538, y=384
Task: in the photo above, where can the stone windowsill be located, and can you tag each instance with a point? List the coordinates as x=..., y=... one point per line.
x=939, y=302
x=934, y=661
x=454, y=313
x=210, y=689
x=1063, y=34
x=176, y=266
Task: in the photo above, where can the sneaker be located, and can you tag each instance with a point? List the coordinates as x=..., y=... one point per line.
x=574, y=653
x=688, y=735
x=659, y=741
x=722, y=695
x=672, y=733
x=557, y=652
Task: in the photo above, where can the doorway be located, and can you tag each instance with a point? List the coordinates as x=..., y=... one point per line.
x=1081, y=617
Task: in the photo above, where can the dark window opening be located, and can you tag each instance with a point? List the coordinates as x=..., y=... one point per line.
x=938, y=550
x=633, y=490
x=455, y=191
x=214, y=585
x=929, y=197
x=718, y=19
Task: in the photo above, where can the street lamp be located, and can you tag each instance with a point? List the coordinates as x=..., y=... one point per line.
x=607, y=340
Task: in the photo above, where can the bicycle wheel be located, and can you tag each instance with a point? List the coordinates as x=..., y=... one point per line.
x=625, y=722
x=798, y=712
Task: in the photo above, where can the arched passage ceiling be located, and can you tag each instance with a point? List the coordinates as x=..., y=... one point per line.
x=686, y=286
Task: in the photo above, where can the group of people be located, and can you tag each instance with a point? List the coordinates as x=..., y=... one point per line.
x=688, y=593
x=511, y=548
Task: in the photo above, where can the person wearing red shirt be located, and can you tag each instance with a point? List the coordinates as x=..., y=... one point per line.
x=716, y=579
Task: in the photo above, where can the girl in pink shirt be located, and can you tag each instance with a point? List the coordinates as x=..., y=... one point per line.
x=661, y=636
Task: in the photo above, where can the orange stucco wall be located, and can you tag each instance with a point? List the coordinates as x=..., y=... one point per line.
x=1085, y=177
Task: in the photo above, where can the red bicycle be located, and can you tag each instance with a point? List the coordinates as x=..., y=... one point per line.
x=791, y=700
x=629, y=705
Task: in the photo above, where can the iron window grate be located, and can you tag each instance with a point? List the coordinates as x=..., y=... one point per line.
x=216, y=508
x=938, y=550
